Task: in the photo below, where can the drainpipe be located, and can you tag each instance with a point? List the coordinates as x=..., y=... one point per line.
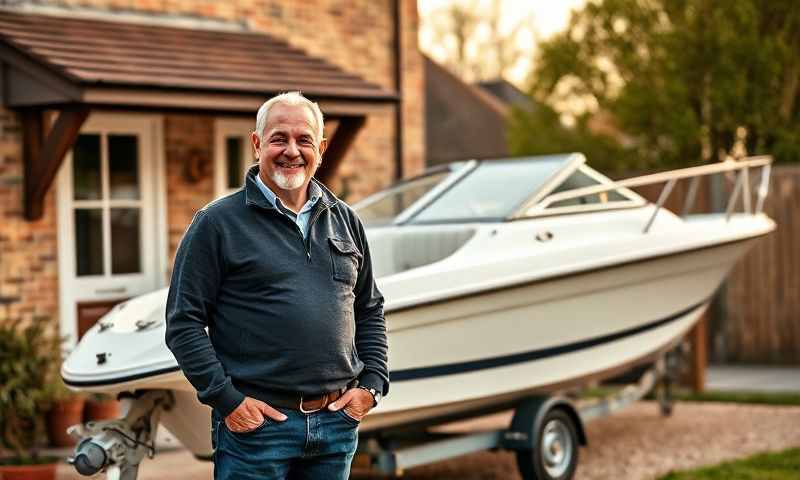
x=398, y=86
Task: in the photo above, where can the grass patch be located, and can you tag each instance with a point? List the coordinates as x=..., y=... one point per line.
x=783, y=465
x=760, y=398
x=597, y=392
x=684, y=395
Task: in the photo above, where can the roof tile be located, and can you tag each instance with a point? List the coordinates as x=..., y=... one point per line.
x=99, y=52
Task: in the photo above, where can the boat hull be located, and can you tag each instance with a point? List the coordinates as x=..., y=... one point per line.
x=549, y=330
x=483, y=352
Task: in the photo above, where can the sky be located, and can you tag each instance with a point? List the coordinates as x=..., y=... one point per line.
x=543, y=18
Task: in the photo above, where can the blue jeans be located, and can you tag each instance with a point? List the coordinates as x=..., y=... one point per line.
x=316, y=446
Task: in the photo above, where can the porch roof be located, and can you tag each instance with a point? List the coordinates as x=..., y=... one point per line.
x=76, y=65
x=57, y=59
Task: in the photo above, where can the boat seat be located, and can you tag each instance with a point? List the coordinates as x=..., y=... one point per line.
x=396, y=250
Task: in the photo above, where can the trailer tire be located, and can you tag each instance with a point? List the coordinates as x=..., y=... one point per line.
x=554, y=452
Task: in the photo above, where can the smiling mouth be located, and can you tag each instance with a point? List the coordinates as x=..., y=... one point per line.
x=291, y=165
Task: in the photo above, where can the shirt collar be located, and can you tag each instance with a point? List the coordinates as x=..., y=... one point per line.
x=254, y=196
x=314, y=193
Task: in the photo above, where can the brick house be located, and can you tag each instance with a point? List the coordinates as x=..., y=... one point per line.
x=120, y=118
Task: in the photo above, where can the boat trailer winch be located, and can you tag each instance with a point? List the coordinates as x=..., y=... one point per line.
x=116, y=447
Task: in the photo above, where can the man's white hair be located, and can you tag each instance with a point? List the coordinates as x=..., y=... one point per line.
x=294, y=99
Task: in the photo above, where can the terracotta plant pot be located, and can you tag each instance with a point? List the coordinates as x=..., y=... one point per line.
x=64, y=414
x=108, y=409
x=45, y=471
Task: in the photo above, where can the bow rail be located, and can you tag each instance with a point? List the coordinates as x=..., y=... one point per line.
x=740, y=168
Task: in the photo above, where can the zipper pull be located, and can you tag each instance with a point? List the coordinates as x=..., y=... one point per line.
x=308, y=254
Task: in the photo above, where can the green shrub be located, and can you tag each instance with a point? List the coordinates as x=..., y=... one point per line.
x=30, y=356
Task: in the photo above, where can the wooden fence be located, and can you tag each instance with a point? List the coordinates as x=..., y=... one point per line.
x=756, y=318
x=760, y=316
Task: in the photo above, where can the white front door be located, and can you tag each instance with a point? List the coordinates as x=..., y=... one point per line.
x=111, y=231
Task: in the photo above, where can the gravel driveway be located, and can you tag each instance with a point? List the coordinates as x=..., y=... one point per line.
x=636, y=443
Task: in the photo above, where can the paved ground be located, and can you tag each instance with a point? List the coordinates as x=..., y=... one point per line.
x=636, y=443
x=753, y=378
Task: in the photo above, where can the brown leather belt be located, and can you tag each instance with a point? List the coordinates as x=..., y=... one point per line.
x=304, y=403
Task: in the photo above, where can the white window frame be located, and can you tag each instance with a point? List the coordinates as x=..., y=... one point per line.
x=224, y=128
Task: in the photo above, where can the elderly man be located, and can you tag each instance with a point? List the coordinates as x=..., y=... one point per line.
x=280, y=274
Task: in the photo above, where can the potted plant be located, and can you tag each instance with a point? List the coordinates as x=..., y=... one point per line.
x=100, y=406
x=28, y=352
x=66, y=410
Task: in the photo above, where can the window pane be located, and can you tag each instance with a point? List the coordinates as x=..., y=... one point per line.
x=233, y=161
x=125, y=240
x=89, y=241
x=123, y=166
x=580, y=180
x=493, y=191
x=86, y=167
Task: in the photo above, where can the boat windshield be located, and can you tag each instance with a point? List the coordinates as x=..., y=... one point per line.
x=383, y=207
x=492, y=191
x=471, y=191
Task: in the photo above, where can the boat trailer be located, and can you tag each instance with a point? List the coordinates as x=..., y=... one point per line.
x=545, y=433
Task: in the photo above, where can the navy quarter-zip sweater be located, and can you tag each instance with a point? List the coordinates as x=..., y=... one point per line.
x=284, y=314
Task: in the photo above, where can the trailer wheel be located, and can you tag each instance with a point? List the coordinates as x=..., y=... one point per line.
x=554, y=453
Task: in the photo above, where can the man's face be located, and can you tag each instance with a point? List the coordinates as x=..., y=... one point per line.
x=288, y=152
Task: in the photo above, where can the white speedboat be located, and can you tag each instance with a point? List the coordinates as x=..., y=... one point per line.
x=502, y=279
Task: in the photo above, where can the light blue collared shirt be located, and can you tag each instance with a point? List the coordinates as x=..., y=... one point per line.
x=302, y=218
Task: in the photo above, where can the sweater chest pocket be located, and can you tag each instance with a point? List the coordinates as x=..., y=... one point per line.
x=345, y=259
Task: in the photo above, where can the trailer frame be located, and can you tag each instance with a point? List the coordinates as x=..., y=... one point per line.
x=394, y=455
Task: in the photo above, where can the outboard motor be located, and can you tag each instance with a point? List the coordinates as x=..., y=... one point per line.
x=118, y=446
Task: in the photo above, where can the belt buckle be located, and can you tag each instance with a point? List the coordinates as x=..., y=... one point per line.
x=324, y=403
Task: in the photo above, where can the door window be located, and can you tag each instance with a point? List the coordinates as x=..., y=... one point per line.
x=107, y=205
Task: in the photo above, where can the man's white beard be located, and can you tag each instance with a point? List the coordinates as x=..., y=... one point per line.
x=288, y=182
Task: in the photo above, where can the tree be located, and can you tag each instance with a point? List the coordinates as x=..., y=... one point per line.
x=476, y=46
x=680, y=76
x=460, y=22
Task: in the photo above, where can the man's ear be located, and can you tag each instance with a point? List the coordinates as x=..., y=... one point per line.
x=255, y=139
x=323, y=145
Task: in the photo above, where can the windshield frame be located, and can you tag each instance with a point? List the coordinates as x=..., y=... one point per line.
x=572, y=161
x=542, y=207
x=533, y=205
x=457, y=171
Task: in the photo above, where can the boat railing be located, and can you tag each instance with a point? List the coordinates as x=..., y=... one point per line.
x=740, y=169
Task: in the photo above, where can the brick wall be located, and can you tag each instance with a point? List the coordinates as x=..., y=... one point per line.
x=28, y=250
x=185, y=134
x=413, y=93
